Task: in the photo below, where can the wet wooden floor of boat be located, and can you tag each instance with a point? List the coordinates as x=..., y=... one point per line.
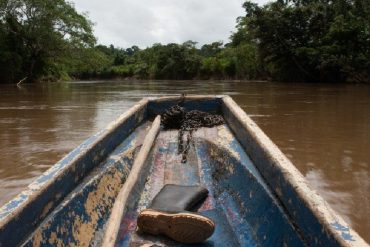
x=168, y=169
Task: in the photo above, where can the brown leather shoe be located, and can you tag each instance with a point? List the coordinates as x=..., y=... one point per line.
x=184, y=227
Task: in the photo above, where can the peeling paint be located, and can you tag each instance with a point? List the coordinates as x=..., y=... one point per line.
x=307, y=210
x=54, y=184
x=345, y=231
x=254, y=189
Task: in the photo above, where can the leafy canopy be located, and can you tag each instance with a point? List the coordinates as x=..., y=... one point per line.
x=38, y=36
x=310, y=40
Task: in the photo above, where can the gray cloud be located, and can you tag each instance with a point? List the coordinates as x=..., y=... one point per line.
x=143, y=22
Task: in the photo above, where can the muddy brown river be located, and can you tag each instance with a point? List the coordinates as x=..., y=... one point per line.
x=324, y=129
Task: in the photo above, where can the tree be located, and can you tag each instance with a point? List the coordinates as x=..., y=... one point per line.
x=319, y=40
x=39, y=36
x=174, y=61
x=213, y=49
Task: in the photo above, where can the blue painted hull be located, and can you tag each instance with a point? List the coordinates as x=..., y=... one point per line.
x=257, y=197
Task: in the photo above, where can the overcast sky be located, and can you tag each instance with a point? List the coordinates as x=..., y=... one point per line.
x=124, y=23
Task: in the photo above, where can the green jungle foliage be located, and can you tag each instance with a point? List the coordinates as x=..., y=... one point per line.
x=176, y=61
x=284, y=40
x=41, y=39
x=310, y=40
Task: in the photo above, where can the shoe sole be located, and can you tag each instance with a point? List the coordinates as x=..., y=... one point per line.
x=183, y=227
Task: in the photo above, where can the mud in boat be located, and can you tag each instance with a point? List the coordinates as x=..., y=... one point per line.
x=92, y=196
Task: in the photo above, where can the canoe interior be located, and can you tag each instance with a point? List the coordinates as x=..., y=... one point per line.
x=244, y=209
x=251, y=199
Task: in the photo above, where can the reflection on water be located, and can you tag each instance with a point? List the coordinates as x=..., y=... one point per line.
x=324, y=129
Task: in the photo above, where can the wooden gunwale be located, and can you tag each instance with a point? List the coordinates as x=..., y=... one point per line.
x=284, y=178
x=15, y=215
x=119, y=206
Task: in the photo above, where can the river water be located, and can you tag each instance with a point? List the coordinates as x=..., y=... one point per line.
x=324, y=129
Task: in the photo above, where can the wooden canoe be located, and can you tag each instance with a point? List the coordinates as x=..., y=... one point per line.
x=92, y=196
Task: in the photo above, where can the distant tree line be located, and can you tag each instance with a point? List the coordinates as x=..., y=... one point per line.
x=284, y=40
x=175, y=61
